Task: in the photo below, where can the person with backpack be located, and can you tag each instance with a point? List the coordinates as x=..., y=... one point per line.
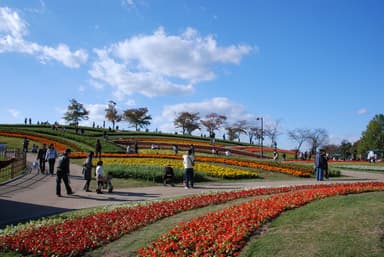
x=63, y=173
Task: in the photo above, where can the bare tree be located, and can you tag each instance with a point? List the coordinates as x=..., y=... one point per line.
x=213, y=122
x=138, y=118
x=231, y=132
x=111, y=113
x=299, y=136
x=272, y=131
x=317, y=137
x=253, y=132
x=240, y=128
x=188, y=122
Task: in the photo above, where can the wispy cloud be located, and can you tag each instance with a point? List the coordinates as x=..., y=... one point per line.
x=362, y=111
x=14, y=113
x=161, y=64
x=13, y=30
x=220, y=105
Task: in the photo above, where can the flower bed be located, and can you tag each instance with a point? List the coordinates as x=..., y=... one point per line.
x=60, y=146
x=287, y=168
x=225, y=232
x=209, y=168
x=76, y=236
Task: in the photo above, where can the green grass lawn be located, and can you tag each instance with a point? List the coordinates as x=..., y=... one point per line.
x=342, y=226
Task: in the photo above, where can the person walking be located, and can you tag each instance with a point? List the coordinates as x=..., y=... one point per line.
x=100, y=179
x=188, y=162
x=51, y=158
x=63, y=173
x=41, y=158
x=98, y=149
x=87, y=171
x=25, y=145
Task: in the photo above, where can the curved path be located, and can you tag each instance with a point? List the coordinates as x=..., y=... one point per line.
x=33, y=195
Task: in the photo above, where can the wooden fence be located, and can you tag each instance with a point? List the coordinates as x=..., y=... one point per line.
x=14, y=164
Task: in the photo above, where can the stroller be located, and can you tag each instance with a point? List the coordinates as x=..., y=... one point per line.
x=108, y=183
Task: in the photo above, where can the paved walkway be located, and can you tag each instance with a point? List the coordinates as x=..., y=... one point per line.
x=33, y=195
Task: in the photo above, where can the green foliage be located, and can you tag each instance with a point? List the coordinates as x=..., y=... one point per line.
x=148, y=172
x=373, y=136
x=75, y=112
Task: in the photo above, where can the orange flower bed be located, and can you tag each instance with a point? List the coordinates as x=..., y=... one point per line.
x=59, y=146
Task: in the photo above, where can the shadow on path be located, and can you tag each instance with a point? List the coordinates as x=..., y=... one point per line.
x=24, y=211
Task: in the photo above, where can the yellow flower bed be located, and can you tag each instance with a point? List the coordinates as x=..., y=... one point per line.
x=209, y=169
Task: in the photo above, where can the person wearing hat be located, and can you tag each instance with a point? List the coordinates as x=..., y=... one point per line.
x=320, y=164
x=63, y=173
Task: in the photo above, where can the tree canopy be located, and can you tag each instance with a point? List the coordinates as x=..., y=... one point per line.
x=138, y=118
x=75, y=112
x=373, y=137
x=188, y=122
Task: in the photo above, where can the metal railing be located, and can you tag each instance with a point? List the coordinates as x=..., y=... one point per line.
x=15, y=168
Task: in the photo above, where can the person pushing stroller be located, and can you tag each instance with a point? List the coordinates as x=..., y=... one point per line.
x=103, y=182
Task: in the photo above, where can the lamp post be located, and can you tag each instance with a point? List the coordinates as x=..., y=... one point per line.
x=261, y=135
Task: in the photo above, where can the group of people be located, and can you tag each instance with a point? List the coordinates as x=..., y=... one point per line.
x=45, y=155
x=102, y=180
x=50, y=155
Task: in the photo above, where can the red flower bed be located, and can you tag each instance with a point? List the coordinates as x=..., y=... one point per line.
x=74, y=237
x=224, y=233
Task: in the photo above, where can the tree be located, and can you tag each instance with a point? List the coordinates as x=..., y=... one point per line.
x=213, y=122
x=111, y=113
x=188, y=122
x=252, y=131
x=76, y=112
x=231, y=132
x=317, y=138
x=236, y=130
x=373, y=137
x=138, y=118
x=299, y=136
x=271, y=130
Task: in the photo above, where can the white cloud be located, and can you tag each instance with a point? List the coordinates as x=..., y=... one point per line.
x=161, y=64
x=220, y=105
x=14, y=113
x=362, y=111
x=130, y=102
x=12, y=32
x=129, y=3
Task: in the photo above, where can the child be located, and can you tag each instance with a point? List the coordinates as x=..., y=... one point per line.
x=109, y=182
x=99, y=177
x=35, y=166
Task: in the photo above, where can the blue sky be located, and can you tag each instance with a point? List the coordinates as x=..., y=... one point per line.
x=299, y=64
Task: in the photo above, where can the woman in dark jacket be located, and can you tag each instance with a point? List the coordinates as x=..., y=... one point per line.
x=87, y=171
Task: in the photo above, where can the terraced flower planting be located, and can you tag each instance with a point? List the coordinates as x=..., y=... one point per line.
x=60, y=146
x=168, y=140
x=221, y=233
x=209, y=168
x=287, y=168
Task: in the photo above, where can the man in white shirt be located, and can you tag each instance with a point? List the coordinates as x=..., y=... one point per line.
x=188, y=162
